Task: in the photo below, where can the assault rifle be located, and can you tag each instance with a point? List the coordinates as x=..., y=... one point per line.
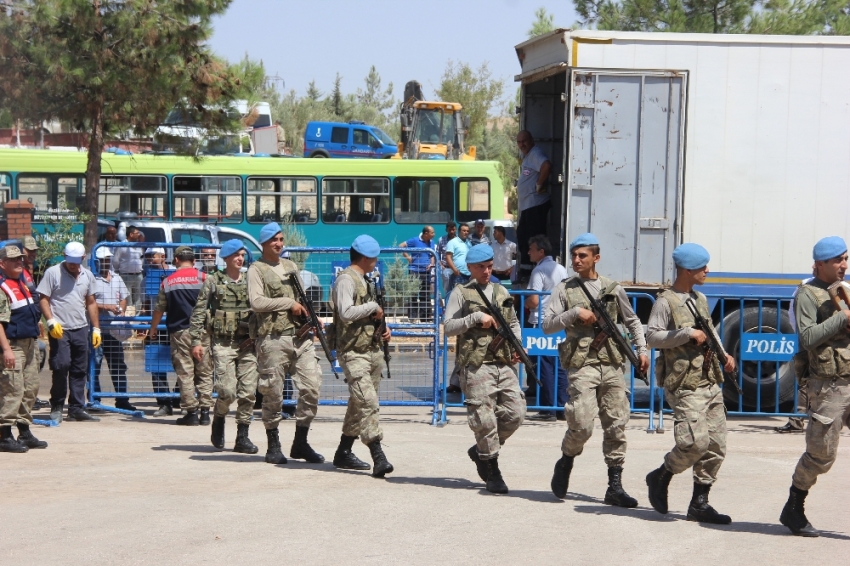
x=713, y=348
x=505, y=334
x=381, y=325
x=607, y=329
x=311, y=321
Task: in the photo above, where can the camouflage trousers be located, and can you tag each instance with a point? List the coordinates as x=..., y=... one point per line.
x=699, y=428
x=19, y=385
x=802, y=403
x=597, y=388
x=829, y=412
x=495, y=405
x=277, y=356
x=363, y=376
x=235, y=377
x=192, y=374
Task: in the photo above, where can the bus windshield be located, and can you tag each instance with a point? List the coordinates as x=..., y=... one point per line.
x=434, y=126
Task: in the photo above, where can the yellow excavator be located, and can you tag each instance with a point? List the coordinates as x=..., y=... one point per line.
x=430, y=129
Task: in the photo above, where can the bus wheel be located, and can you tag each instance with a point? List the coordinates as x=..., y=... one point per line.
x=773, y=374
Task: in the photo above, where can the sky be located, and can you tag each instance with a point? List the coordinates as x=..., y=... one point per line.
x=405, y=40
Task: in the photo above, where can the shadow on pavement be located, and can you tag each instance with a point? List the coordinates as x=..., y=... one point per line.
x=463, y=483
x=205, y=448
x=642, y=513
x=228, y=458
x=775, y=529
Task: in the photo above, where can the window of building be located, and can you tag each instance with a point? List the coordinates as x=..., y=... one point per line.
x=145, y=196
x=360, y=200
x=207, y=199
x=422, y=201
x=53, y=196
x=339, y=135
x=473, y=200
x=5, y=191
x=282, y=199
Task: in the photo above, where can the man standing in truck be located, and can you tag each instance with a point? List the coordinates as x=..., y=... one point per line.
x=823, y=331
x=533, y=195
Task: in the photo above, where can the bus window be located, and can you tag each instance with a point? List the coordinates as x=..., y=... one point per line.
x=207, y=199
x=144, y=196
x=422, y=201
x=282, y=200
x=360, y=200
x=5, y=190
x=473, y=200
x=54, y=197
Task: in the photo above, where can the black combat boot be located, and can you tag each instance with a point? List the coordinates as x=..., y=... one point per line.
x=700, y=510
x=56, y=412
x=217, y=432
x=345, y=458
x=495, y=483
x=658, y=481
x=794, y=515
x=616, y=495
x=382, y=466
x=480, y=465
x=243, y=444
x=205, y=416
x=27, y=438
x=273, y=453
x=561, y=477
x=8, y=442
x=189, y=419
x=301, y=450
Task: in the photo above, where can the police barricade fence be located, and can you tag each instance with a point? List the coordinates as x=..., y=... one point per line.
x=756, y=331
x=411, y=301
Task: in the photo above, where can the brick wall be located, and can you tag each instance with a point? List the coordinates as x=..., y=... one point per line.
x=18, y=221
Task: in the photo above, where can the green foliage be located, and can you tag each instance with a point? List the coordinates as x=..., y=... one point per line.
x=476, y=90
x=112, y=66
x=543, y=23
x=400, y=284
x=57, y=234
x=294, y=237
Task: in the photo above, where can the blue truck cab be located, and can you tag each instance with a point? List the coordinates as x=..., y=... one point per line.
x=354, y=139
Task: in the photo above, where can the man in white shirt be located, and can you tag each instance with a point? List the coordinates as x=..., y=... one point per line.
x=546, y=275
x=504, y=252
x=533, y=195
x=128, y=262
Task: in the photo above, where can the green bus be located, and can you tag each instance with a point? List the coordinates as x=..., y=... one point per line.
x=330, y=200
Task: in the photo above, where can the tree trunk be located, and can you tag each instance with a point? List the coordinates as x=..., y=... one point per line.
x=93, y=169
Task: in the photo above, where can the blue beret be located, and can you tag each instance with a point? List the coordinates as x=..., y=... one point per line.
x=366, y=246
x=479, y=254
x=230, y=247
x=828, y=248
x=691, y=256
x=586, y=239
x=269, y=231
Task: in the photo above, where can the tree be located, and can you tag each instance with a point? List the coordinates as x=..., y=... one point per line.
x=112, y=66
x=475, y=90
x=336, y=98
x=543, y=23
x=371, y=96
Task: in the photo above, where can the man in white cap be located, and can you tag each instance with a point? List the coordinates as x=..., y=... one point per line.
x=357, y=317
x=111, y=294
x=691, y=379
x=495, y=406
x=280, y=350
x=67, y=294
x=824, y=335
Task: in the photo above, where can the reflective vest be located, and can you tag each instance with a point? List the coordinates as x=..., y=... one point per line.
x=274, y=287
x=24, y=311
x=681, y=367
x=575, y=351
x=832, y=358
x=29, y=281
x=228, y=306
x=472, y=344
x=355, y=336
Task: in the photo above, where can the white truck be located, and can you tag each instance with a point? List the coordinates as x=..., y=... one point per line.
x=738, y=142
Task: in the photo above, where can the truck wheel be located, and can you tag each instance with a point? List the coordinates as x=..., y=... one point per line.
x=317, y=154
x=773, y=374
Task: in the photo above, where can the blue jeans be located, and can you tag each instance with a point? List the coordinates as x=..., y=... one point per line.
x=547, y=370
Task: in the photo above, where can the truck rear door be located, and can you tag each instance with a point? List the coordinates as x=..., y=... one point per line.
x=625, y=163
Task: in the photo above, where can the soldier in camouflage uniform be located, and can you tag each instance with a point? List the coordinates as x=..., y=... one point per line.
x=280, y=350
x=495, y=405
x=19, y=315
x=596, y=374
x=692, y=381
x=825, y=336
x=222, y=312
x=356, y=317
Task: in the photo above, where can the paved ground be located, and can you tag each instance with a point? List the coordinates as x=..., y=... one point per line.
x=127, y=491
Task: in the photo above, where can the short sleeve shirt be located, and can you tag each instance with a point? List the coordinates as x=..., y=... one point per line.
x=459, y=248
x=545, y=277
x=503, y=255
x=527, y=183
x=420, y=262
x=67, y=295
x=110, y=292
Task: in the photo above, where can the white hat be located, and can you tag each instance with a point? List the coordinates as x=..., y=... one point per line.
x=155, y=251
x=102, y=252
x=74, y=252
